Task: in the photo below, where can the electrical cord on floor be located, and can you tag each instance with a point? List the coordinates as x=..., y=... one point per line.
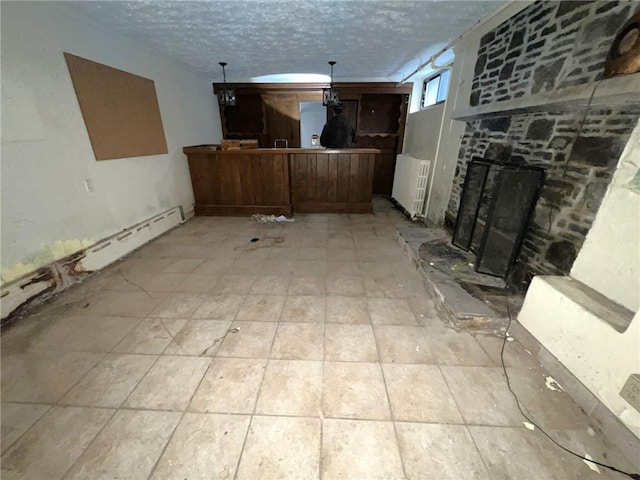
x=635, y=476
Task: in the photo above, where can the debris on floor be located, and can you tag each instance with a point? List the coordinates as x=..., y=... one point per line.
x=591, y=465
x=219, y=340
x=265, y=242
x=552, y=384
x=261, y=218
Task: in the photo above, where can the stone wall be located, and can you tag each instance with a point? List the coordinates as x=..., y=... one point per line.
x=548, y=46
x=578, y=173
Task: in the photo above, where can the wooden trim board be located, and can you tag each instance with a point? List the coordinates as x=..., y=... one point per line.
x=243, y=210
x=332, y=207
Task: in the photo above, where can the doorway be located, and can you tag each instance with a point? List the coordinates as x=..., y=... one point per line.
x=313, y=116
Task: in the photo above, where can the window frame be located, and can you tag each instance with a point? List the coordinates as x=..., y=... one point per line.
x=425, y=83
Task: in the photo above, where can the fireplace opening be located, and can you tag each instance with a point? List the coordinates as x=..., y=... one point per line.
x=496, y=205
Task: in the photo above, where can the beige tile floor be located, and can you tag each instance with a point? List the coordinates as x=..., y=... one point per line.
x=312, y=353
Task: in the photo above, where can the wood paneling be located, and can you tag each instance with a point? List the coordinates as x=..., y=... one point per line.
x=350, y=108
x=380, y=113
x=203, y=171
x=385, y=162
x=239, y=183
x=283, y=119
x=275, y=181
x=383, y=175
x=376, y=110
x=332, y=182
x=247, y=116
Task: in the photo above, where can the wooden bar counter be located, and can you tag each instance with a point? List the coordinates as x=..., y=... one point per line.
x=281, y=180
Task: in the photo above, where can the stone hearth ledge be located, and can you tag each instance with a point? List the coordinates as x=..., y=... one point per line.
x=460, y=307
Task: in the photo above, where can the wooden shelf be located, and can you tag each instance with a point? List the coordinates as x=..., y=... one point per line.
x=623, y=90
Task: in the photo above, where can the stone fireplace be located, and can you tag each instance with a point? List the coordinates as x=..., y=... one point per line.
x=537, y=100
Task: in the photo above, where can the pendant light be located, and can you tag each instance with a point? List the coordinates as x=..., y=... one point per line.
x=226, y=97
x=330, y=97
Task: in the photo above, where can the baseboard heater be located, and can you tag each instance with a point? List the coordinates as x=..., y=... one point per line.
x=410, y=184
x=55, y=277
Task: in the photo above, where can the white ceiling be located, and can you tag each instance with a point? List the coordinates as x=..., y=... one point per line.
x=370, y=39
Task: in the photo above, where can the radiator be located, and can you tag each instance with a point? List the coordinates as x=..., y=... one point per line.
x=410, y=183
x=61, y=274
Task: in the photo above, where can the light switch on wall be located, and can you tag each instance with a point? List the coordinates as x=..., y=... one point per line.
x=88, y=185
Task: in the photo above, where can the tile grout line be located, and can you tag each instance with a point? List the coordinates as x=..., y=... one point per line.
x=161, y=355
x=255, y=404
x=50, y=407
x=240, y=414
x=64, y=475
x=392, y=417
x=82, y=377
x=322, y=386
x=115, y=411
x=184, y=413
x=472, y=424
x=391, y=411
x=464, y=420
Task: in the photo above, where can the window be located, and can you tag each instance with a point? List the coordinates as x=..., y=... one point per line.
x=434, y=89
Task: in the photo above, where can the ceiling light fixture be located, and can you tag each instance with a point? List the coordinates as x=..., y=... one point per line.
x=330, y=97
x=226, y=97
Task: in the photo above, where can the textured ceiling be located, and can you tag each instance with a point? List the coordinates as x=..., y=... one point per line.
x=371, y=39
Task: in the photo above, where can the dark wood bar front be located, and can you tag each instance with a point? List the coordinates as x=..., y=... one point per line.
x=240, y=182
x=333, y=181
x=281, y=181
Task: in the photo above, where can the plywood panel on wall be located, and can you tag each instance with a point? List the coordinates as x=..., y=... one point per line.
x=120, y=110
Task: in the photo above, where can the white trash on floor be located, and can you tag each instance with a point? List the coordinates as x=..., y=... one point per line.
x=261, y=218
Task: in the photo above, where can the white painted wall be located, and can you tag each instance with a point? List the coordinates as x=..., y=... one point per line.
x=46, y=153
x=609, y=260
x=597, y=355
x=444, y=60
x=313, y=116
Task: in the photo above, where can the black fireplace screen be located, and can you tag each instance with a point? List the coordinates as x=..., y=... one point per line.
x=470, y=202
x=497, y=202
